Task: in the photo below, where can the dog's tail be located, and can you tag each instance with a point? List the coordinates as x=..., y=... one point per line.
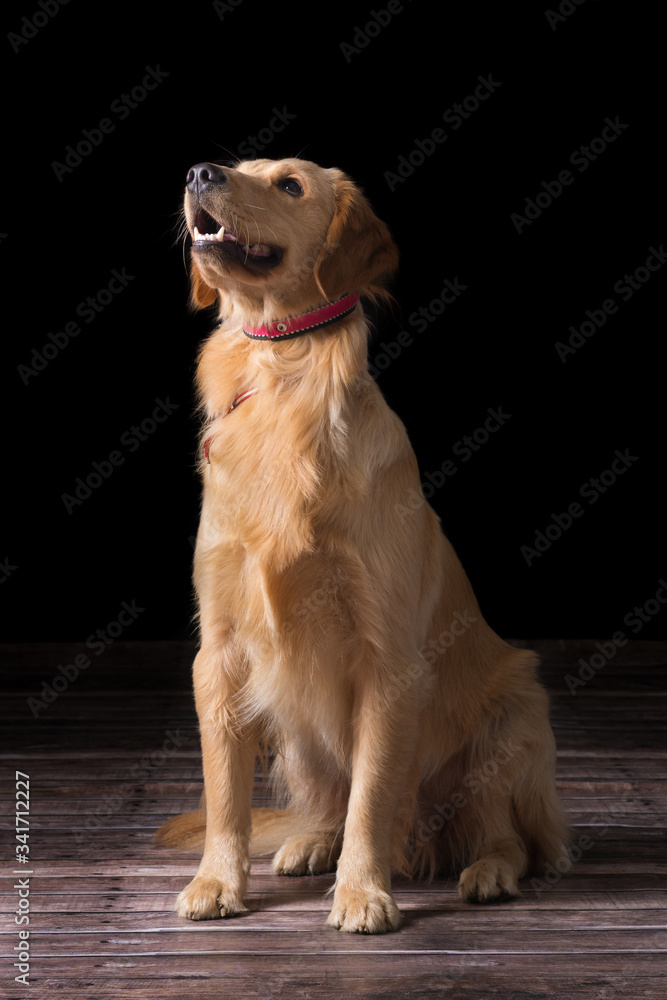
x=270, y=830
x=187, y=830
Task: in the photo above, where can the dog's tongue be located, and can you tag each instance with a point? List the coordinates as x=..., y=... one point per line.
x=256, y=249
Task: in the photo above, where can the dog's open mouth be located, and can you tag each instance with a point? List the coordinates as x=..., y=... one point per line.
x=210, y=236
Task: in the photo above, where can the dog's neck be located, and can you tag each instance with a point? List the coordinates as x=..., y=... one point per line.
x=318, y=369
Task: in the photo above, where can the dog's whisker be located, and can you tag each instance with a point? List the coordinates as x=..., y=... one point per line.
x=181, y=230
x=232, y=156
x=259, y=231
x=266, y=226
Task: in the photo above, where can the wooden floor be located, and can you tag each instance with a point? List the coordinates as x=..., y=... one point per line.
x=105, y=770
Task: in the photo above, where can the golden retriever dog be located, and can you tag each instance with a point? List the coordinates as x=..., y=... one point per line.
x=340, y=637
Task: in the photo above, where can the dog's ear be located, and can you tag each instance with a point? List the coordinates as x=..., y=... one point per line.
x=358, y=254
x=201, y=294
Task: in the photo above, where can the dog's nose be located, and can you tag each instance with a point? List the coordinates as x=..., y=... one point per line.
x=203, y=174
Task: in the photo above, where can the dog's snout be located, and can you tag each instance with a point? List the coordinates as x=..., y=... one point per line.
x=203, y=174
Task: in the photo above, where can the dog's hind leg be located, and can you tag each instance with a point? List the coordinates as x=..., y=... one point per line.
x=312, y=840
x=493, y=877
x=517, y=829
x=308, y=853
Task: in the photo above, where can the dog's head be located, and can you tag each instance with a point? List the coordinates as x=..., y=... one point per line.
x=286, y=230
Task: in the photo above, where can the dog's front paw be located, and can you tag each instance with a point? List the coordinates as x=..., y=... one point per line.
x=364, y=911
x=306, y=855
x=207, y=899
x=490, y=880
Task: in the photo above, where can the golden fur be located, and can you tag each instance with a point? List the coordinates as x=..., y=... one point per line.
x=337, y=631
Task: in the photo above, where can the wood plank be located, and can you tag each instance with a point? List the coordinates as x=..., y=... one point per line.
x=598, y=874
x=185, y=785
x=447, y=918
x=419, y=934
x=608, y=838
x=159, y=897
x=145, y=801
x=600, y=741
x=355, y=960
x=113, y=764
x=281, y=982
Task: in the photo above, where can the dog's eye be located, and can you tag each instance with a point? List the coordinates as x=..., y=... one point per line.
x=291, y=186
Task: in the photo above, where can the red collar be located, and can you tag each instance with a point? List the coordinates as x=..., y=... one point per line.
x=295, y=326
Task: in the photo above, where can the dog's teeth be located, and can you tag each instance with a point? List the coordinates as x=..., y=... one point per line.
x=212, y=237
x=256, y=249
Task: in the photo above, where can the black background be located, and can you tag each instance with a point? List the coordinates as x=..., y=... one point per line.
x=67, y=573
